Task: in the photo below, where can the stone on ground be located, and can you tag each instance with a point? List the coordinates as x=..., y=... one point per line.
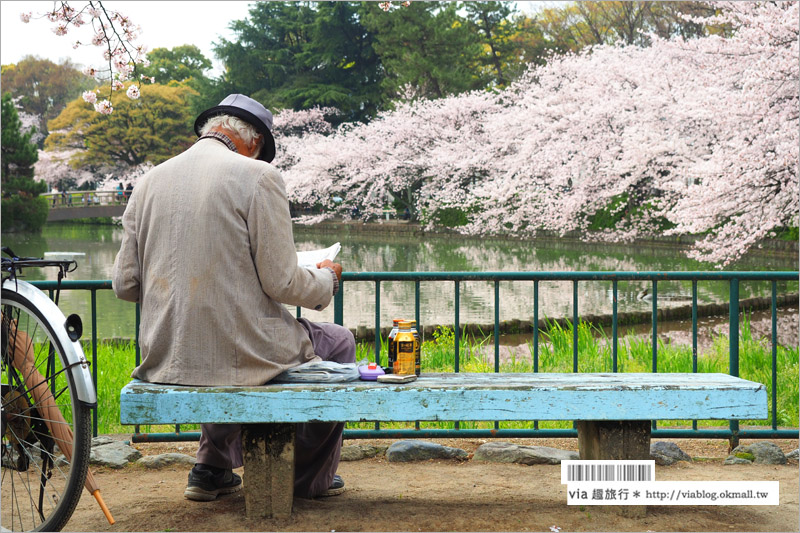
x=113, y=455
x=362, y=451
x=166, y=459
x=505, y=452
x=102, y=440
x=417, y=450
x=667, y=453
x=767, y=453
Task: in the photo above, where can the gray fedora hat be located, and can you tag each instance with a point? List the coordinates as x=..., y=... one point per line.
x=247, y=109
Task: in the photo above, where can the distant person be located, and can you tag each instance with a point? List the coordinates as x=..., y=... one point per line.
x=212, y=271
x=128, y=191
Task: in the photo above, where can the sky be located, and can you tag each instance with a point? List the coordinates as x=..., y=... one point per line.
x=165, y=24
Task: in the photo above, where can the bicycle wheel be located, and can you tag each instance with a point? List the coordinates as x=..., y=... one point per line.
x=42, y=475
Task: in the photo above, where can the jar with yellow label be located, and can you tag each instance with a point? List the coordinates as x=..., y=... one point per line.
x=406, y=349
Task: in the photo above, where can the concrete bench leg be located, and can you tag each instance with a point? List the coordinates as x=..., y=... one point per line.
x=268, y=451
x=616, y=440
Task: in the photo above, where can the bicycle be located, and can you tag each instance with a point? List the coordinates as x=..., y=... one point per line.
x=47, y=397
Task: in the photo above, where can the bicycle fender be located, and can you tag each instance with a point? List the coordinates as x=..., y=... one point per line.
x=78, y=365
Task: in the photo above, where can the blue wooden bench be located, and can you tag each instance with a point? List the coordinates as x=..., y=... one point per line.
x=613, y=412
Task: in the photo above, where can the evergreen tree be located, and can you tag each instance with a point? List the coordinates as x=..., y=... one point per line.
x=22, y=207
x=298, y=55
x=492, y=21
x=181, y=63
x=425, y=47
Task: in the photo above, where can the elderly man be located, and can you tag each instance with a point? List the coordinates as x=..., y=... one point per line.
x=208, y=252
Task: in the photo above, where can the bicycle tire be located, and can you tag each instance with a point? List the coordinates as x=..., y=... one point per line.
x=39, y=488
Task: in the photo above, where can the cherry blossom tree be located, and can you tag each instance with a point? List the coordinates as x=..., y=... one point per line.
x=692, y=136
x=749, y=184
x=111, y=31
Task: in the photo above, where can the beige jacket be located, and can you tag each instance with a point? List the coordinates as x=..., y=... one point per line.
x=209, y=254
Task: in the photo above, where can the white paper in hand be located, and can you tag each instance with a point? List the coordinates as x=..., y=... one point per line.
x=311, y=258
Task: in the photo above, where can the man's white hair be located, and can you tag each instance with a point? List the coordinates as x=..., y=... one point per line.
x=244, y=130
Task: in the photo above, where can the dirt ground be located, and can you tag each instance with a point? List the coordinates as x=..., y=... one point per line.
x=439, y=496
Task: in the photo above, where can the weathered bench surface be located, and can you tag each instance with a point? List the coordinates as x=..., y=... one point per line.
x=462, y=396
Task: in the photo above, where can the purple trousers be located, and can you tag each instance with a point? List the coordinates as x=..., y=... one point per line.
x=317, y=445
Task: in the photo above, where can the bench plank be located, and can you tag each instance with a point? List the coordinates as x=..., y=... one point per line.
x=463, y=396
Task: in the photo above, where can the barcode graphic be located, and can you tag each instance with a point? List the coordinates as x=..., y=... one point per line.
x=577, y=471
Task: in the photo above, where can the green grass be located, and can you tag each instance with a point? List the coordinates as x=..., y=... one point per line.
x=476, y=354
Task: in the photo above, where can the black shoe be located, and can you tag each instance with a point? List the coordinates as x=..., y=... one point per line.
x=207, y=482
x=336, y=488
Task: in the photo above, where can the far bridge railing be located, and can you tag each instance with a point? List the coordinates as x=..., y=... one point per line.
x=69, y=205
x=67, y=199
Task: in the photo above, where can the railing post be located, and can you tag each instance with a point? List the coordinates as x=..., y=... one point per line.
x=655, y=326
x=457, y=326
x=734, y=328
x=655, y=336
x=733, y=366
x=338, y=305
x=420, y=329
x=535, y=325
x=774, y=343
x=614, y=333
x=457, y=336
x=137, y=353
x=94, y=358
x=575, y=325
x=694, y=335
x=497, y=325
x=536, y=334
x=378, y=321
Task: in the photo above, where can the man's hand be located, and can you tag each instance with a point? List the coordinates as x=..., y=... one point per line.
x=337, y=268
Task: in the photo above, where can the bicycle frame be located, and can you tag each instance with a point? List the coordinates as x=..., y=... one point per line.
x=76, y=360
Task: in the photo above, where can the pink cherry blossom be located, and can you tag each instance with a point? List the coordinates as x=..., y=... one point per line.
x=60, y=29
x=116, y=85
x=89, y=97
x=104, y=107
x=25, y=17
x=133, y=92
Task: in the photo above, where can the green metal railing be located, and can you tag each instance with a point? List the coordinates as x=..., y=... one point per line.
x=733, y=432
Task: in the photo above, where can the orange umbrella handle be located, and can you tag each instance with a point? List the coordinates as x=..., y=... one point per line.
x=102, y=504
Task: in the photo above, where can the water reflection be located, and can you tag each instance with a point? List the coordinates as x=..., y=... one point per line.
x=407, y=253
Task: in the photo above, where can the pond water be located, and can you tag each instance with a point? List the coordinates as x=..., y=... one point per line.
x=370, y=252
